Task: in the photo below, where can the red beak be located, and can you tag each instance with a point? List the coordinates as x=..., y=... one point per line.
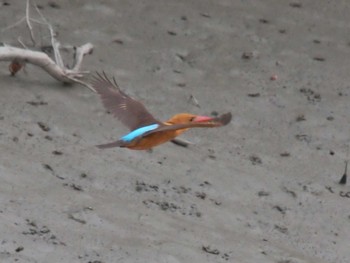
x=202, y=118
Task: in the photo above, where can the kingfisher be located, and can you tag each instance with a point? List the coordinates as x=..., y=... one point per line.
x=146, y=131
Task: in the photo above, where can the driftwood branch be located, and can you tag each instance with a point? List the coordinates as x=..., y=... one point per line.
x=41, y=59
x=53, y=66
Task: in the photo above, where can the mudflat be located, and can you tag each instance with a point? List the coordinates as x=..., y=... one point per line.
x=262, y=189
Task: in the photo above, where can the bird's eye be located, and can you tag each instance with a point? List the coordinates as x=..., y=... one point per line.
x=192, y=119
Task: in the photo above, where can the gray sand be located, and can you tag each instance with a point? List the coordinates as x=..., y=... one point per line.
x=263, y=189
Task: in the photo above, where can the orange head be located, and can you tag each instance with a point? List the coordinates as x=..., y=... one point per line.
x=186, y=118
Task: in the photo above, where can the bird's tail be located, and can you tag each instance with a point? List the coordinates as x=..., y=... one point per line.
x=111, y=145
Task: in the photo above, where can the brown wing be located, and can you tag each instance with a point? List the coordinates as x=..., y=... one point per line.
x=222, y=120
x=129, y=111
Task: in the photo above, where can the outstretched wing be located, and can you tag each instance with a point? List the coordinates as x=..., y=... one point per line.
x=222, y=120
x=129, y=111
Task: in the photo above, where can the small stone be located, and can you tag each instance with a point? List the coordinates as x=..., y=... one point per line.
x=43, y=126
x=19, y=249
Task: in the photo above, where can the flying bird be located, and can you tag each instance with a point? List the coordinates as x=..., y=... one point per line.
x=146, y=131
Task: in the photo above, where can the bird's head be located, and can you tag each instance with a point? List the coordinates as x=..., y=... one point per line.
x=183, y=118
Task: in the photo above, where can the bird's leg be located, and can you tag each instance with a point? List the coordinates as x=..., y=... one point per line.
x=181, y=142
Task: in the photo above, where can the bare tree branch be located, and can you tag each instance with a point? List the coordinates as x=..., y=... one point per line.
x=41, y=59
x=56, y=68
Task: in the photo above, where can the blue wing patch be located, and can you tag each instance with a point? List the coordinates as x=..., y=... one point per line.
x=138, y=132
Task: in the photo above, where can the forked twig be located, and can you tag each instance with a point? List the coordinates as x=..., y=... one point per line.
x=54, y=43
x=29, y=24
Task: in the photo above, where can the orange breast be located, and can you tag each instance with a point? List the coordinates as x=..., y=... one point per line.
x=154, y=139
